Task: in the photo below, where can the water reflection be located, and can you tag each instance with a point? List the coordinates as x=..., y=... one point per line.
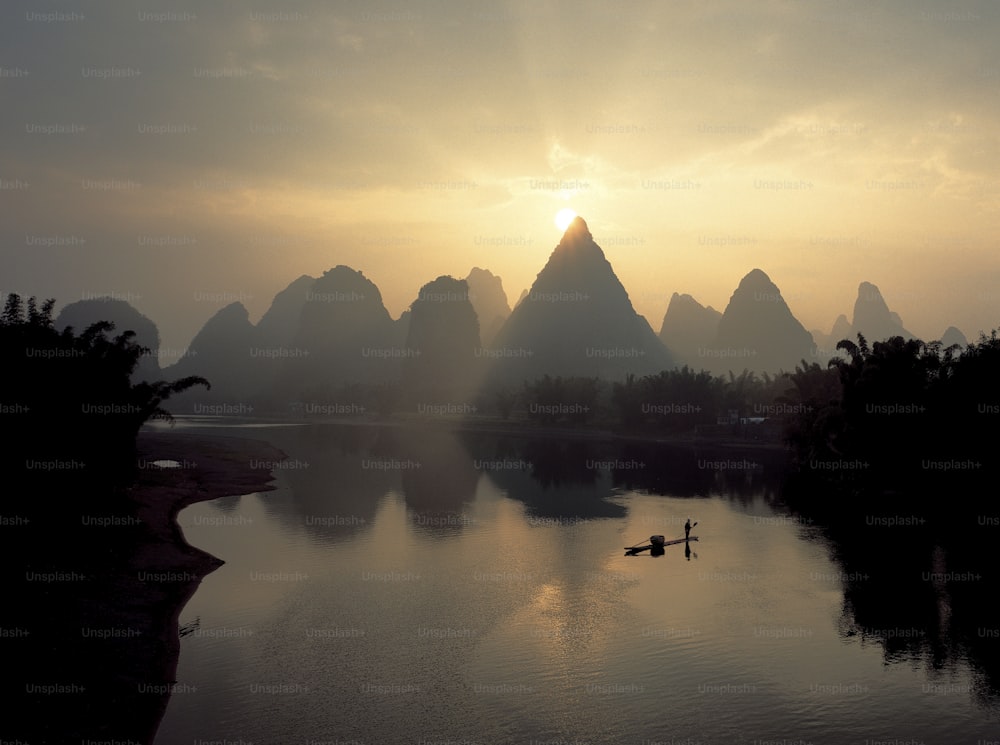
x=518, y=546
x=90, y=619
x=438, y=476
x=339, y=476
x=918, y=577
x=898, y=588
x=890, y=595
x=334, y=494
x=514, y=610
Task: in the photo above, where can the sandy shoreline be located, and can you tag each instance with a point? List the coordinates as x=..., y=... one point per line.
x=528, y=429
x=211, y=467
x=101, y=618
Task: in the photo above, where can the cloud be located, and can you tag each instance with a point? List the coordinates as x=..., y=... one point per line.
x=314, y=118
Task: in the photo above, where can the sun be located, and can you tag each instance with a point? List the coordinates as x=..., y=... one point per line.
x=564, y=217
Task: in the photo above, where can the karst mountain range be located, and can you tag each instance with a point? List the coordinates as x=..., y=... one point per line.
x=329, y=333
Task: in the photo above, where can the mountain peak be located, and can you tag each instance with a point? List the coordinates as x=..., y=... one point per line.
x=577, y=230
x=953, y=336
x=489, y=300
x=869, y=293
x=478, y=273
x=686, y=300
x=756, y=278
x=125, y=317
x=577, y=242
x=234, y=312
x=758, y=330
x=872, y=316
x=688, y=326
x=577, y=320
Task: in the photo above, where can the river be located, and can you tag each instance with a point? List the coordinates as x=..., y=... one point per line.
x=421, y=586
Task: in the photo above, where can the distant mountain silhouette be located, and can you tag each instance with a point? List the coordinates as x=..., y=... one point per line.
x=83, y=313
x=490, y=301
x=576, y=320
x=872, y=316
x=687, y=327
x=331, y=340
x=241, y=360
x=223, y=352
x=442, y=343
x=278, y=326
x=842, y=329
x=826, y=344
x=758, y=332
x=345, y=335
x=953, y=336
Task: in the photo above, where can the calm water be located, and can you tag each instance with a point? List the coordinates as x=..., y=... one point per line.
x=422, y=587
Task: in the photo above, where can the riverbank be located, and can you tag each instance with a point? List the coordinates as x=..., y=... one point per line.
x=524, y=428
x=207, y=467
x=97, y=618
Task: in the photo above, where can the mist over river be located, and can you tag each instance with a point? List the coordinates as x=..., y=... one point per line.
x=419, y=585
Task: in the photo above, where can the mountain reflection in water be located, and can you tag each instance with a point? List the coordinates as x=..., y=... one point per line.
x=471, y=585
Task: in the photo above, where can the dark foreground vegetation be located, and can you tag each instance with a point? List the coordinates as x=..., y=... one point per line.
x=68, y=401
x=896, y=411
x=895, y=464
x=892, y=451
x=888, y=414
x=903, y=413
x=95, y=570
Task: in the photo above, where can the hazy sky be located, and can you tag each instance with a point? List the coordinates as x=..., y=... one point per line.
x=183, y=156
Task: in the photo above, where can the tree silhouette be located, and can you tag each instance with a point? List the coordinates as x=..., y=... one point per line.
x=913, y=412
x=678, y=400
x=70, y=399
x=571, y=399
x=813, y=432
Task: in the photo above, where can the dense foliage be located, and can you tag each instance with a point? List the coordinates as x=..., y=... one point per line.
x=68, y=403
x=902, y=410
x=895, y=412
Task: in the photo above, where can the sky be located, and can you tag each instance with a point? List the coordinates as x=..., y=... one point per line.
x=186, y=155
